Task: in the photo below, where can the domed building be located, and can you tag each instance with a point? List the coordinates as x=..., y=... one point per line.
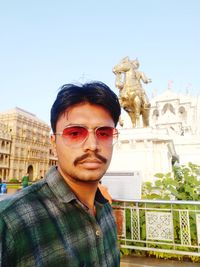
x=180, y=115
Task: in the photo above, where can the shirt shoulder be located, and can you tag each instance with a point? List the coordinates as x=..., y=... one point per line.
x=40, y=188
x=10, y=202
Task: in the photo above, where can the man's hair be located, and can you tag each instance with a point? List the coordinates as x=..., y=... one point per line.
x=96, y=93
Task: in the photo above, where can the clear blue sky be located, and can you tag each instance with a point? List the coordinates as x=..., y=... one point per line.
x=46, y=43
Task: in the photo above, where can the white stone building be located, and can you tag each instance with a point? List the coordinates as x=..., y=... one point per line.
x=173, y=135
x=180, y=115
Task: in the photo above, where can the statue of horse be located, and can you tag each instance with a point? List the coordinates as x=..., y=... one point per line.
x=132, y=96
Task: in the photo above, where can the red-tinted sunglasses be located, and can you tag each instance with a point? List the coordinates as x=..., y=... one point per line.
x=75, y=135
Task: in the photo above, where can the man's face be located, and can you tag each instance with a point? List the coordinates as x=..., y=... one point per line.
x=88, y=161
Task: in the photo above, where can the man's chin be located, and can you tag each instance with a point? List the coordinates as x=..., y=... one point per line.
x=89, y=180
x=90, y=176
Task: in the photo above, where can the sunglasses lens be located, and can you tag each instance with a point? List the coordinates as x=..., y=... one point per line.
x=75, y=134
x=106, y=134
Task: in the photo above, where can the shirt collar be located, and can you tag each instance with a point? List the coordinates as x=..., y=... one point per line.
x=58, y=185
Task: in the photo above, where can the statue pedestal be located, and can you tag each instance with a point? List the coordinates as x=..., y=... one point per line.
x=145, y=150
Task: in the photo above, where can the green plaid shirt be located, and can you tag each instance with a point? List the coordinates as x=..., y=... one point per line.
x=45, y=225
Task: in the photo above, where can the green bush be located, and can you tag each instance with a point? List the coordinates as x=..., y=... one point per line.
x=13, y=180
x=182, y=184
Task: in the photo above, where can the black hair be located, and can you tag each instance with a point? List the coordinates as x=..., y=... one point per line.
x=96, y=93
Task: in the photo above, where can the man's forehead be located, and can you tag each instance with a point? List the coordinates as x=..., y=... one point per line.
x=75, y=114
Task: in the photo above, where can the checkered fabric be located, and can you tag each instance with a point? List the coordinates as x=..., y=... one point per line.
x=45, y=225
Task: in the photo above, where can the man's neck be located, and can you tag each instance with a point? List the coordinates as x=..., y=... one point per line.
x=84, y=191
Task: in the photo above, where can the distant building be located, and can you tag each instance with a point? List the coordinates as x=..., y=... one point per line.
x=24, y=145
x=5, y=148
x=180, y=115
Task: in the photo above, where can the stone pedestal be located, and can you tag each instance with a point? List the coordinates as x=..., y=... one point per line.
x=146, y=150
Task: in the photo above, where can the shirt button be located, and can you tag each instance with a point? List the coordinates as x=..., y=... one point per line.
x=97, y=233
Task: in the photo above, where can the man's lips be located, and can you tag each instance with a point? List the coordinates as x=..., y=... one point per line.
x=90, y=159
x=91, y=163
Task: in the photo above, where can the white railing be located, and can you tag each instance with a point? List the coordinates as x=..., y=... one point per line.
x=159, y=225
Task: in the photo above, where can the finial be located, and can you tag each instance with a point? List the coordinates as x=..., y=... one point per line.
x=170, y=85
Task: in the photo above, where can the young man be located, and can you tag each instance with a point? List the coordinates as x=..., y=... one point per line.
x=63, y=220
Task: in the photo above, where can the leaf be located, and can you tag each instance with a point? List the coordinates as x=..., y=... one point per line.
x=159, y=175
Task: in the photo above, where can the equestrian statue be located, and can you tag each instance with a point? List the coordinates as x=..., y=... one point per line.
x=132, y=96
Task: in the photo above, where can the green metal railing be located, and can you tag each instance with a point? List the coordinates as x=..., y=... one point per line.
x=160, y=226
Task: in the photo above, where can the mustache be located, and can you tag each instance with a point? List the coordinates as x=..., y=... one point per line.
x=85, y=156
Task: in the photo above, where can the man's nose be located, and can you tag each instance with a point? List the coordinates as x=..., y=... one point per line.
x=91, y=142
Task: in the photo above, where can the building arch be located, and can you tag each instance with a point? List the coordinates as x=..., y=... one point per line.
x=168, y=107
